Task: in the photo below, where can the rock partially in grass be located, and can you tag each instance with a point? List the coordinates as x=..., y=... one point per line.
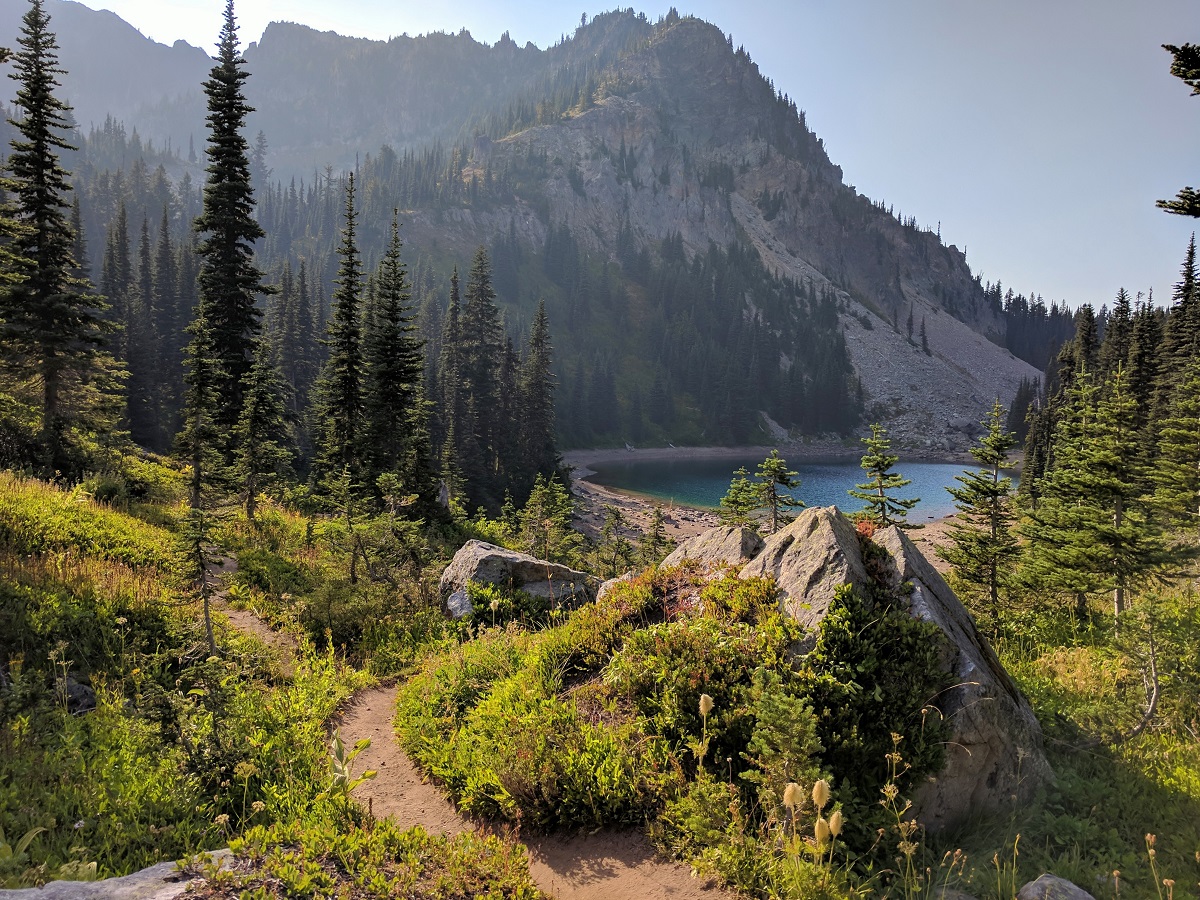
x=486, y=563
x=164, y=881
x=728, y=545
x=994, y=753
x=1051, y=887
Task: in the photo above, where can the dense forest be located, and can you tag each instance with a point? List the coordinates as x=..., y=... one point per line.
x=244, y=431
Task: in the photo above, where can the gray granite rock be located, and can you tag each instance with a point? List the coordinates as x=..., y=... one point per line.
x=1051, y=887
x=728, y=545
x=161, y=882
x=994, y=756
x=486, y=563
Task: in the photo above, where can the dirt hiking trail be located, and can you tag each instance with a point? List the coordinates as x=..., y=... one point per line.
x=607, y=865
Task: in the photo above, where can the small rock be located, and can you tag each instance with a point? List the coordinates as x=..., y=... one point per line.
x=1051, y=887
x=80, y=697
x=161, y=882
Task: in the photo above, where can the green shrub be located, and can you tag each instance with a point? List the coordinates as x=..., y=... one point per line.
x=381, y=862
x=271, y=573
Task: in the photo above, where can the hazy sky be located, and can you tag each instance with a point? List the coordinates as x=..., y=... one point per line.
x=1037, y=132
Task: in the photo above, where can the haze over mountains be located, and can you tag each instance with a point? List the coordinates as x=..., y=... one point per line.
x=636, y=145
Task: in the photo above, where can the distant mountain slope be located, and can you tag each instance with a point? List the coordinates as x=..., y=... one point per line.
x=641, y=141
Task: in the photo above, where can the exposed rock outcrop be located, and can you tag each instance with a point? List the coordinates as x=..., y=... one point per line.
x=994, y=751
x=809, y=560
x=488, y=564
x=725, y=546
x=164, y=881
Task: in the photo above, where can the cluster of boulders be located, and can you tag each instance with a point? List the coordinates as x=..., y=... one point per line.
x=994, y=755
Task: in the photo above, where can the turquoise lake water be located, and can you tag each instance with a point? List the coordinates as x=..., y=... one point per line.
x=704, y=482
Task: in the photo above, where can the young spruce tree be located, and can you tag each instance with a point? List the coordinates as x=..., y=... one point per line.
x=339, y=394
x=774, y=481
x=883, y=508
x=982, y=546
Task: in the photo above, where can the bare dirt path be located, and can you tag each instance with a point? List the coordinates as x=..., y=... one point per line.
x=608, y=865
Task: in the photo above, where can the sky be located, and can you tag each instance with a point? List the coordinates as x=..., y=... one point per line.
x=1036, y=133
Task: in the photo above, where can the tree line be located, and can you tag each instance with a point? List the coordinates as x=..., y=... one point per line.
x=180, y=351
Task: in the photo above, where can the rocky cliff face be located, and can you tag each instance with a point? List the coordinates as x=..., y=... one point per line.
x=695, y=143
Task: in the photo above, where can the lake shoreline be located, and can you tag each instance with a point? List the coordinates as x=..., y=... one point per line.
x=683, y=521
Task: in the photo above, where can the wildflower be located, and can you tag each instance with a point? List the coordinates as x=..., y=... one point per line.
x=706, y=705
x=835, y=823
x=822, y=831
x=221, y=821
x=78, y=825
x=495, y=605
x=258, y=806
x=792, y=796
x=121, y=620
x=821, y=794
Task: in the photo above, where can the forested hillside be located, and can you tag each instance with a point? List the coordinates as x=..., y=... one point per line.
x=699, y=257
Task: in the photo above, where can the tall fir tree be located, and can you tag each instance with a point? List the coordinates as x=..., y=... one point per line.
x=883, y=508
x=339, y=391
x=394, y=367
x=540, y=450
x=983, y=548
x=1185, y=65
x=481, y=348
x=1114, y=351
x=51, y=328
x=1177, y=467
x=229, y=282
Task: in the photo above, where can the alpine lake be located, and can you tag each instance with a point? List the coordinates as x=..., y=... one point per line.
x=703, y=482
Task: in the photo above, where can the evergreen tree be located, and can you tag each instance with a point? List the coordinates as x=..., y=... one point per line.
x=545, y=522
x=983, y=548
x=49, y=322
x=654, y=544
x=883, y=508
x=539, y=451
x=228, y=279
x=774, y=482
x=481, y=347
x=1177, y=468
x=339, y=402
x=393, y=368
x=261, y=455
x=1185, y=65
x=1118, y=333
x=740, y=502
x=1090, y=532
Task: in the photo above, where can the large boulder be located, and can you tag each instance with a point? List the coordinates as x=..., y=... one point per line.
x=728, y=545
x=994, y=754
x=994, y=758
x=486, y=563
x=809, y=560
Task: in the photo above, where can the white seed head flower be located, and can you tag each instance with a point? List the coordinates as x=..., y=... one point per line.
x=706, y=705
x=822, y=831
x=793, y=796
x=835, y=823
x=821, y=794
